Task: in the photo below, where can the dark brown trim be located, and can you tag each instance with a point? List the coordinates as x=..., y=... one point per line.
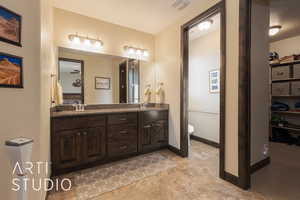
x=244, y=94
x=231, y=178
x=174, y=150
x=19, y=43
x=261, y=164
x=218, y=8
x=205, y=141
x=21, y=85
x=82, y=73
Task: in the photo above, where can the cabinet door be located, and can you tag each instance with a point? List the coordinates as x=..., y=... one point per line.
x=146, y=136
x=159, y=132
x=94, y=144
x=69, y=147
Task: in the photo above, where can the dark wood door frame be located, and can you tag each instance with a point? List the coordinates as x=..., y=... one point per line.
x=216, y=9
x=244, y=147
x=244, y=95
x=82, y=73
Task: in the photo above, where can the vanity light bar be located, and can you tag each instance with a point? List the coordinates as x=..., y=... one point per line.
x=132, y=51
x=77, y=39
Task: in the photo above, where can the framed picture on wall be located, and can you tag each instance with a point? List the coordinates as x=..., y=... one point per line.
x=11, y=71
x=10, y=26
x=214, y=81
x=102, y=83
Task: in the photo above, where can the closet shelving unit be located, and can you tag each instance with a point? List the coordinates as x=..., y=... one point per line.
x=293, y=77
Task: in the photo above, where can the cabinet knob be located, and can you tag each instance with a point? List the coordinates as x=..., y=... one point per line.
x=123, y=132
x=84, y=133
x=123, y=147
x=78, y=133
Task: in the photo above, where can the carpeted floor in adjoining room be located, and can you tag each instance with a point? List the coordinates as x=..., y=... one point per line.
x=281, y=179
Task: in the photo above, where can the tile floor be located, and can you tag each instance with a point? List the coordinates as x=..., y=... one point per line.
x=193, y=178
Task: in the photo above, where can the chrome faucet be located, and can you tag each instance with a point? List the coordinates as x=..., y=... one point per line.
x=79, y=107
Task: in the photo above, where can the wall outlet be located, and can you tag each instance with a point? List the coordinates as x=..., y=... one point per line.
x=266, y=150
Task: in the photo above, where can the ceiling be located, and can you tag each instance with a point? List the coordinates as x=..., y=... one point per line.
x=149, y=16
x=196, y=33
x=287, y=14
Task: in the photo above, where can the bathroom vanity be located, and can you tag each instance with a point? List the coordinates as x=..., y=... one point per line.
x=105, y=133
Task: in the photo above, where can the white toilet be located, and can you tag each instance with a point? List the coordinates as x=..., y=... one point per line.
x=191, y=130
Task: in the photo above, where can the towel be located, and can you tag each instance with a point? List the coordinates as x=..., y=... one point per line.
x=58, y=93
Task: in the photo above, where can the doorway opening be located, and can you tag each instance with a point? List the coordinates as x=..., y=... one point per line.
x=203, y=85
x=275, y=98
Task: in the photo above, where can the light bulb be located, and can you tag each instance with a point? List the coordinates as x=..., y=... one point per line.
x=138, y=52
x=98, y=44
x=274, y=30
x=146, y=53
x=131, y=50
x=205, y=25
x=76, y=40
x=87, y=42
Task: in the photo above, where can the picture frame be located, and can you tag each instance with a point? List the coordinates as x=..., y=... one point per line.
x=214, y=81
x=11, y=71
x=10, y=27
x=102, y=83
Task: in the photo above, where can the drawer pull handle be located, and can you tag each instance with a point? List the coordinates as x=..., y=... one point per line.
x=123, y=147
x=280, y=73
x=123, y=132
x=147, y=126
x=123, y=119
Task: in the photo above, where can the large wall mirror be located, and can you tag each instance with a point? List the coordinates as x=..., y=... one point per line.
x=92, y=78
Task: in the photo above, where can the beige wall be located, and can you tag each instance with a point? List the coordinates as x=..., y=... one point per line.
x=260, y=90
x=286, y=47
x=115, y=37
x=167, y=58
x=25, y=112
x=204, y=106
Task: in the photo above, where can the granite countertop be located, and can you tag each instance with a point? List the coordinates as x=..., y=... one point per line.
x=104, y=111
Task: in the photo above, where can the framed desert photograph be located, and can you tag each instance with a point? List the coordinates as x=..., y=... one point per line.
x=214, y=81
x=11, y=71
x=102, y=83
x=10, y=26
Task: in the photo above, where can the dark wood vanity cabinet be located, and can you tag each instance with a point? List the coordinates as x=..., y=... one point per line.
x=81, y=141
x=154, y=130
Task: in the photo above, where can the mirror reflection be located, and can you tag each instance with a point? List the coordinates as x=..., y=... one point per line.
x=92, y=78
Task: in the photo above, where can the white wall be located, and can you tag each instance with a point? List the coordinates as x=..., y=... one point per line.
x=25, y=112
x=204, y=107
x=260, y=90
x=286, y=47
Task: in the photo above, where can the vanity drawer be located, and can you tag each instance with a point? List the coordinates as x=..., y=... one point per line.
x=154, y=115
x=295, y=88
x=297, y=71
x=122, y=133
x=115, y=149
x=280, y=89
x=70, y=123
x=126, y=118
x=280, y=73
